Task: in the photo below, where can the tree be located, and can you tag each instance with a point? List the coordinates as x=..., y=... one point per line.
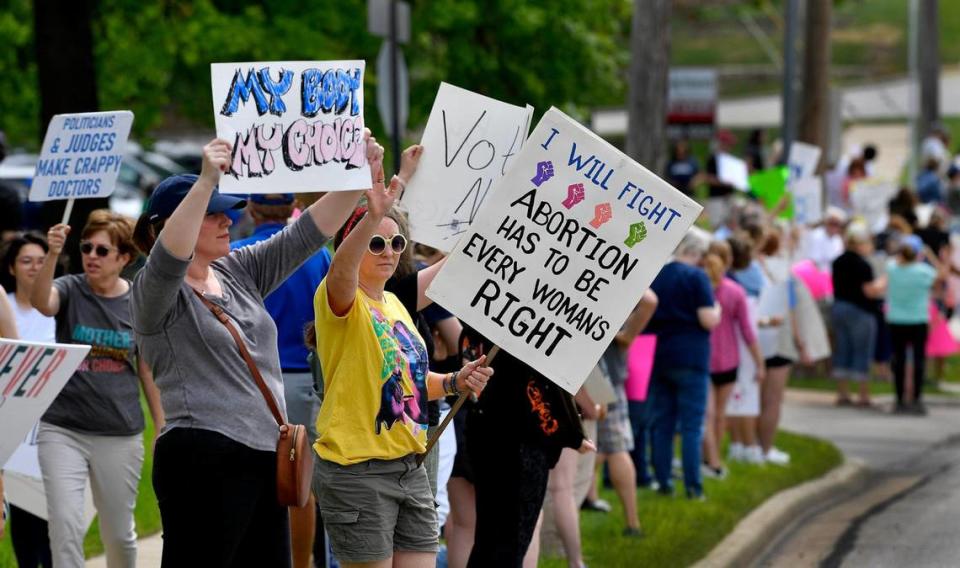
x=815, y=100
x=649, y=67
x=67, y=82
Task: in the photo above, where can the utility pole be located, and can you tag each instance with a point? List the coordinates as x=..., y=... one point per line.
x=928, y=64
x=647, y=88
x=815, y=102
x=789, y=119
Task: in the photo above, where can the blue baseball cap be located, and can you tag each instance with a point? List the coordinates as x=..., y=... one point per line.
x=171, y=191
x=271, y=198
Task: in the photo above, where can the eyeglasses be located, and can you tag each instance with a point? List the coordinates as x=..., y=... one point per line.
x=378, y=244
x=86, y=247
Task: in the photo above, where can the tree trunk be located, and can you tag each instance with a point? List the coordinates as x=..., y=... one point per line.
x=647, y=90
x=67, y=81
x=815, y=101
x=928, y=54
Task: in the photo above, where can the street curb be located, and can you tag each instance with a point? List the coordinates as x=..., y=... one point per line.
x=754, y=534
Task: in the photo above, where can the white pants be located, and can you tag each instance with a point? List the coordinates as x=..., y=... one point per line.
x=448, y=450
x=113, y=464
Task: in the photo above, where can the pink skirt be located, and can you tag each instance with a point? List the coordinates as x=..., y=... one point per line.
x=940, y=342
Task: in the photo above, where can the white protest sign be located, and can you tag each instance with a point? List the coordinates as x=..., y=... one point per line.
x=744, y=399
x=807, y=199
x=23, y=482
x=468, y=143
x=870, y=199
x=733, y=170
x=81, y=155
x=559, y=256
x=803, y=159
x=599, y=388
x=31, y=376
x=295, y=126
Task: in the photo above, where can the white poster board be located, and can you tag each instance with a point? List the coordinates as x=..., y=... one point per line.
x=556, y=261
x=807, y=199
x=81, y=155
x=469, y=141
x=599, y=388
x=295, y=126
x=745, y=397
x=870, y=199
x=733, y=170
x=803, y=160
x=31, y=376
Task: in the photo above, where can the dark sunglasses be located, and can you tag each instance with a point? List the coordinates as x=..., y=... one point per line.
x=87, y=247
x=378, y=244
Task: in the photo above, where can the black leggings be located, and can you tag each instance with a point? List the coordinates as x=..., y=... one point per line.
x=31, y=542
x=915, y=336
x=218, y=502
x=511, y=482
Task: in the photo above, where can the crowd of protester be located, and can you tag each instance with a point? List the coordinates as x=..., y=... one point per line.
x=350, y=346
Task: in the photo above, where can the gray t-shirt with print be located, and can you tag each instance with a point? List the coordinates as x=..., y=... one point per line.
x=103, y=395
x=204, y=383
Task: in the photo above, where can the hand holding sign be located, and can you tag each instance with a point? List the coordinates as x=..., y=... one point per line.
x=409, y=162
x=474, y=376
x=57, y=237
x=216, y=160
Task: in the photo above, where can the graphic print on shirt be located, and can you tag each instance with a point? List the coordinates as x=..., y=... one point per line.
x=110, y=349
x=403, y=377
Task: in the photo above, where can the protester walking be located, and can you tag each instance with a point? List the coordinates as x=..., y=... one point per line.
x=215, y=463
x=93, y=430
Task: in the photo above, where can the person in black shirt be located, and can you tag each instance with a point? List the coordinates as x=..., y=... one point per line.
x=857, y=301
x=682, y=168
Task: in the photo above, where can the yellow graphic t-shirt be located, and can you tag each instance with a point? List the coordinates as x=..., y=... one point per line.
x=375, y=381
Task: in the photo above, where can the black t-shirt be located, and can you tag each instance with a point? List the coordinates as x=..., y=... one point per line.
x=850, y=272
x=681, y=172
x=934, y=238
x=405, y=288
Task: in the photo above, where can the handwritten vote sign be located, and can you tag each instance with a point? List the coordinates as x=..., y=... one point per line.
x=31, y=376
x=559, y=256
x=81, y=155
x=295, y=126
x=468, y=143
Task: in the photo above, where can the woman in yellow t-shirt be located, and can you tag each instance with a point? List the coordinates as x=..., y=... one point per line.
x=375, y=499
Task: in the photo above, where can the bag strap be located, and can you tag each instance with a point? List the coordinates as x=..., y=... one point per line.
x=245, y=353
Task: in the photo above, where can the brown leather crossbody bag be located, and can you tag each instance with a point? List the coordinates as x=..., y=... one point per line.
x=294, y=454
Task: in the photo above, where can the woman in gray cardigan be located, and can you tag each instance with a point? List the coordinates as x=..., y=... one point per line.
x=215, y=463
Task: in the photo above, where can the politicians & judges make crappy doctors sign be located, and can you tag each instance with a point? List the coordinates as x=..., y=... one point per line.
x=295, y=127
x=562, y=250
x=81, y=155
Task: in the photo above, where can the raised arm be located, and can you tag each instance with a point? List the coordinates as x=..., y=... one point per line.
x=330, y=212
x=638, y=319
x=424, y=278
x=8, y=323
x=44, y=297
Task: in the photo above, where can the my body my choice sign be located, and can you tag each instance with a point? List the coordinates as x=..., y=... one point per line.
x=563, y=249
x=296, y=127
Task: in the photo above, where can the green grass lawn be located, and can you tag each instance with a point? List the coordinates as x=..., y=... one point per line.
x=147, y=514
x=680, y=532
x=877, y=387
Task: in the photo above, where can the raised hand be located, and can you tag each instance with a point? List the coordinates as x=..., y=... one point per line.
x=57, y=237
x=601, y=214
x=544, y=172
x=409, y=161
x=379, y=198
x=575, y=194
x=216, y=160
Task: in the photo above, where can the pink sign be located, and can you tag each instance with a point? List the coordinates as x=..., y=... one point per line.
x=639, y=366
x=818, y=282
x=940, y=342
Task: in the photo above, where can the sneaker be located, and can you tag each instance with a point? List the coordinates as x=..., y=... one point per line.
x=713, y=472
x=778, y=457
x=735, y=452
x=600, y=506
x=753, y=455
x=699, y=497
x=632, y=532
x=901, y=408
x=918, y=409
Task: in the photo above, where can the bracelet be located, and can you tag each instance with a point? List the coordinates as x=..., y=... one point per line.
x=450, y=385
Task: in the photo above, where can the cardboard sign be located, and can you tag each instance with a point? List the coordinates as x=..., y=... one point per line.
x=732, y=170
x=468, y=143
x=803, y=160
x=81, y=155
x=295, y=126
x=870, y=199
x=556, y=261
x=807, y=195
x=31, y=376
x=599, y=388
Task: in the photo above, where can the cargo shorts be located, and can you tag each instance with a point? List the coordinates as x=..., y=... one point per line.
x=374, y=508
